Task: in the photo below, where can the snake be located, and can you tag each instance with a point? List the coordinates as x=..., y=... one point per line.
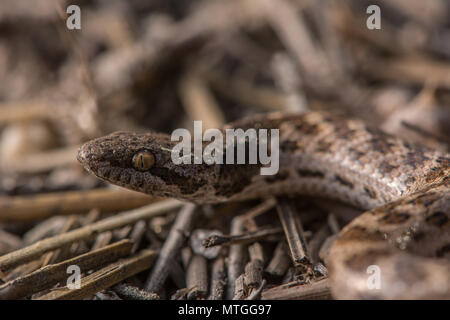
x=398, y=248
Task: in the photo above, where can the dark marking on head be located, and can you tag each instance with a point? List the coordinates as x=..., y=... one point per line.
x=436, y=174
x=359, y=233
x=355, y=154
x=306, y=127
x=445, y=161
x=227, y=185
x=386, y=168
x=416, y=159
x=344, y=181
x=370, y=192
x=380, y=144
x=173, y=178
x=418, y=235
x=323, y=146
x=360, y=261
x=395, y=218
x=310, y=173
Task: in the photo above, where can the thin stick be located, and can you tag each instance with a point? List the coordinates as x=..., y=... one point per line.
x=199, y=102
x=253, y=274
x=137, y=234
x=294, y=291
x=197, y=278
x=294, y=233
x=280, y=261
x=237, y=257
x=106, y=277
x=171, y=248
x=48, y=276
x=245, y=238
x=218, y=279
x=43, y=161
x=31, y=208
x=128, y=292
x=240, y=290
x=33, y=251
x=316, y=242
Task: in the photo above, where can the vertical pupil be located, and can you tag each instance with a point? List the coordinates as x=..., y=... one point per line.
x=142, y=161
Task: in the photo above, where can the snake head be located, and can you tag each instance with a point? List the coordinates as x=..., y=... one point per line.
x=142, y=162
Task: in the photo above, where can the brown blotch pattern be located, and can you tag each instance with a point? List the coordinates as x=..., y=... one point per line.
x=395, y=218
x=310, y=173
x=370, y=192
x=359, y=233
x=344, y=181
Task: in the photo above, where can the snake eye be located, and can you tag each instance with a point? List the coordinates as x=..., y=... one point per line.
x=143, y=161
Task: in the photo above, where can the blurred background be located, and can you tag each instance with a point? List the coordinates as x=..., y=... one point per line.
x=139, y=65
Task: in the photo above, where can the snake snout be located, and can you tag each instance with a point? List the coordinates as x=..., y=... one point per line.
x=86, y=155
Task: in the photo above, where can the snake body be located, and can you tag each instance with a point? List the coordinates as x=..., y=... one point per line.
x=405, y=188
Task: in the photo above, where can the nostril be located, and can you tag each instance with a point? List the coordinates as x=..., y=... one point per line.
x=82, y=154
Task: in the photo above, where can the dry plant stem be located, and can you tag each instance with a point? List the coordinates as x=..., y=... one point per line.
x=43, y=161
x=128, y=292
x=253, y=274
x=199, y=102
x=412, y=70
x=326, y=246
x=148, y=59
x=289, y=81
x=294, y=232
x=23, y=270
x=426, y=134
x=256, y=252
x=137, y=234
x=240, y=291
x=316, y=242
x=106, y=277
x=23, y=111
x=237, y=257
x=197, y=278
x=294, y=291
x=48, y=276
x=177, y=274
x=250, y=237
x=218, y=279
x=333, y=223
x=48, y=258
x=33, y=251
x=52, y=257
x=9, y=242
x=280, y=261
x=293, y=32
x=102, y=240
x=171, y=248
x=244, y=92
x=31, y=208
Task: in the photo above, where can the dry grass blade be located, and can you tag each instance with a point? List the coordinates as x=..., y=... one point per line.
x=26, y=254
